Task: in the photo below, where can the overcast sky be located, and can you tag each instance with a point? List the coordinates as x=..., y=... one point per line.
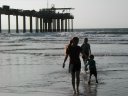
x=87, y=13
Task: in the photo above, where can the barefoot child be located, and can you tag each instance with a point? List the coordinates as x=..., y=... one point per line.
x=92, y=68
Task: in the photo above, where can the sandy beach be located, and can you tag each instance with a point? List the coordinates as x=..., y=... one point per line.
x=31, y=65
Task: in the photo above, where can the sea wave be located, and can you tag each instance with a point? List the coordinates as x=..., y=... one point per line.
x=54, y=52
x=99, y=55
x=98, y=36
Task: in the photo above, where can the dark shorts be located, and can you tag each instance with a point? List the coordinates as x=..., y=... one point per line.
x=93, y=72
x=74, y=67
x=86, y=56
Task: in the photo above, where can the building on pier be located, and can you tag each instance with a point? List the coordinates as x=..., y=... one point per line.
x=50, y=19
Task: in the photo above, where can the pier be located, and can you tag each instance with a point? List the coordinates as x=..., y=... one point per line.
x=46, y=20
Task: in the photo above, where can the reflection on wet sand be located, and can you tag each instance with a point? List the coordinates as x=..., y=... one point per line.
x=89, y=89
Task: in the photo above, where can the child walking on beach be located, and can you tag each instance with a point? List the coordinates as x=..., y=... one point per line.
x=92, y=68
x=73, y=51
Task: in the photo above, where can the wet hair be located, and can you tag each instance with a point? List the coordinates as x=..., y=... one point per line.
x=75, y=39
x=70, y=43
x=91, y=56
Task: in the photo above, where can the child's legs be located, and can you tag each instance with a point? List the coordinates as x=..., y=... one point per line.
x=96, y=77
x=90, y=76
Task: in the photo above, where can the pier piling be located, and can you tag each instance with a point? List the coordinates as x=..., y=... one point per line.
x=31, y=24
x=58, y=25
x=41, y=25
x=0, y=23
x=65, y=25
x=54, y=25
x=50, y=19
x=17, y=27
x=36, y=20
x=24, y=24
x=62, y=25
x=8, y=23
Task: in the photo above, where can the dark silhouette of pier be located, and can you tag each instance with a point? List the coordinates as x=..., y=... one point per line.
x=46, y=20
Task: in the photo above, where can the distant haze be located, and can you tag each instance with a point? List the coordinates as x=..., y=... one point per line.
x=87, y=13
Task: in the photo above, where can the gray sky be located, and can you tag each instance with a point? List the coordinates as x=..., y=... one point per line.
x=87, y=13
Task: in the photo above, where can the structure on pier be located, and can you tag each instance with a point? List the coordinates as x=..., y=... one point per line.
x=49, y=19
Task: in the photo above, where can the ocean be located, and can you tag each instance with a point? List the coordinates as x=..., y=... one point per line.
x=31, y=63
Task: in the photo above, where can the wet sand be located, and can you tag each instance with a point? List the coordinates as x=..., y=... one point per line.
x=29, y=75
x=33, y=80
x=31, y=65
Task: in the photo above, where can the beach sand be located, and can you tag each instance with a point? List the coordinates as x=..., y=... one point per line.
x=31, y=65
x=34, y=79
